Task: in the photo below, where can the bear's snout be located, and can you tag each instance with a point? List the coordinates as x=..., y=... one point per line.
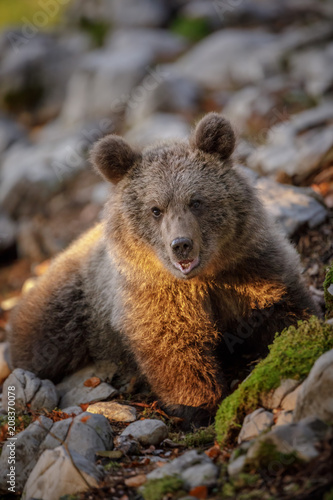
x=182, y=247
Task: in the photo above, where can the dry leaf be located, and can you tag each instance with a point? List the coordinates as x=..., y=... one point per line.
x=199, y=492
x=136, y=481
x=85, y=418
x=92, y=382
x=213, y=452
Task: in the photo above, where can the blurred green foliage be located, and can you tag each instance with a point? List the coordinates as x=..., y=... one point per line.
x=96, y=30
x=193, y=29
x=17, y=12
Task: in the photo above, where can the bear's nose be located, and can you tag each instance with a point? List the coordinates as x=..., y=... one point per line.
x=182, y=247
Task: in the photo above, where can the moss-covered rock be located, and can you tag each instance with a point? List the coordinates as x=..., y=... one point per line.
x=291, y=355
x=198, y=438
x=156, y=489
x=328, y=290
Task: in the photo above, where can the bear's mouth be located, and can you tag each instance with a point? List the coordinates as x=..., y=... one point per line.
x=186, y=266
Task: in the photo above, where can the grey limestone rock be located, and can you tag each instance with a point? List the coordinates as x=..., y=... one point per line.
x=147, y=432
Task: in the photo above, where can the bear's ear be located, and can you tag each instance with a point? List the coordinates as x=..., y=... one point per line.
x=214, y=135
x=113, y=157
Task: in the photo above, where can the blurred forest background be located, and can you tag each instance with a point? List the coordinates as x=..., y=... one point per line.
x=72, y=71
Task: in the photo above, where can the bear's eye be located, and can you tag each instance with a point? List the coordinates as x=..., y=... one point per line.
x=156, y=212
x=195, y=204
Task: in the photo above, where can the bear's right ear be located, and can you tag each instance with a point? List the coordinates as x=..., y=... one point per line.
x=113, y=157
x=214, y=135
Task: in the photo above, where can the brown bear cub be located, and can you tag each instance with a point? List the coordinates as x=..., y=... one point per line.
x=185, y=274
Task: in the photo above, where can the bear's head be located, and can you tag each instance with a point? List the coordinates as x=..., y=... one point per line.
x=183, y=200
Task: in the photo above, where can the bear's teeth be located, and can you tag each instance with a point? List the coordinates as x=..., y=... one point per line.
x=186, y=266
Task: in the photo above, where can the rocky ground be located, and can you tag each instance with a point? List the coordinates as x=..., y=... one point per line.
x=148, y=70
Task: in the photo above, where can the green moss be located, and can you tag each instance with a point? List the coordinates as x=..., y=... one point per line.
x=200, y=437
x=327, y=283
x=291, y=355
x=156, y=489
x=228, y=491
x=22, y=421
x=112, y=466
x=193, y=29
x=267, y=456
x=97, y=30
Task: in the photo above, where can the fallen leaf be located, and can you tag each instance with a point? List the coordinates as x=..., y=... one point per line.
x=85, y=418
x=3, y=432
x=114, y=454
x=136, y=481
x=199, y=492
x=84, y=406
x=213, y=452
x=92, y=382
x=145, y=461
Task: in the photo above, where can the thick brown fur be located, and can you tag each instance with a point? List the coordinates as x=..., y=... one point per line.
x=121, y=292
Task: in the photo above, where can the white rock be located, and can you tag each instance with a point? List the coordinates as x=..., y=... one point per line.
x=58, y=434
x=165, y=91
x=102, y=370
x=231, y=56
x=180, y=464
x=316, y=397
x=114, y=411
x=284, y=418
x=10, y=133
x=103, y=83
x=88, y=434
x=85, y=434
x=37, y=171
x=160, y=126
x=204, y=474
x=300, y=438
x=313, y=68
x=236, y=466
x=72, y=390
x=290, y=206
x=296, y=147
x=147, y=432
x=289, y=402
x=30, y=389
x=26, y=453
x=46, y=62
x=254, y=424
x=82, y=395
x=245, y=103
x=273, y=399
x=132, y=13
x=54, y=475
x=162, y=44
x=70, y=410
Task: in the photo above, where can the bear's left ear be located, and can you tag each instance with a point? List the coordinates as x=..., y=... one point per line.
x=113, y=157
x=214, y=135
